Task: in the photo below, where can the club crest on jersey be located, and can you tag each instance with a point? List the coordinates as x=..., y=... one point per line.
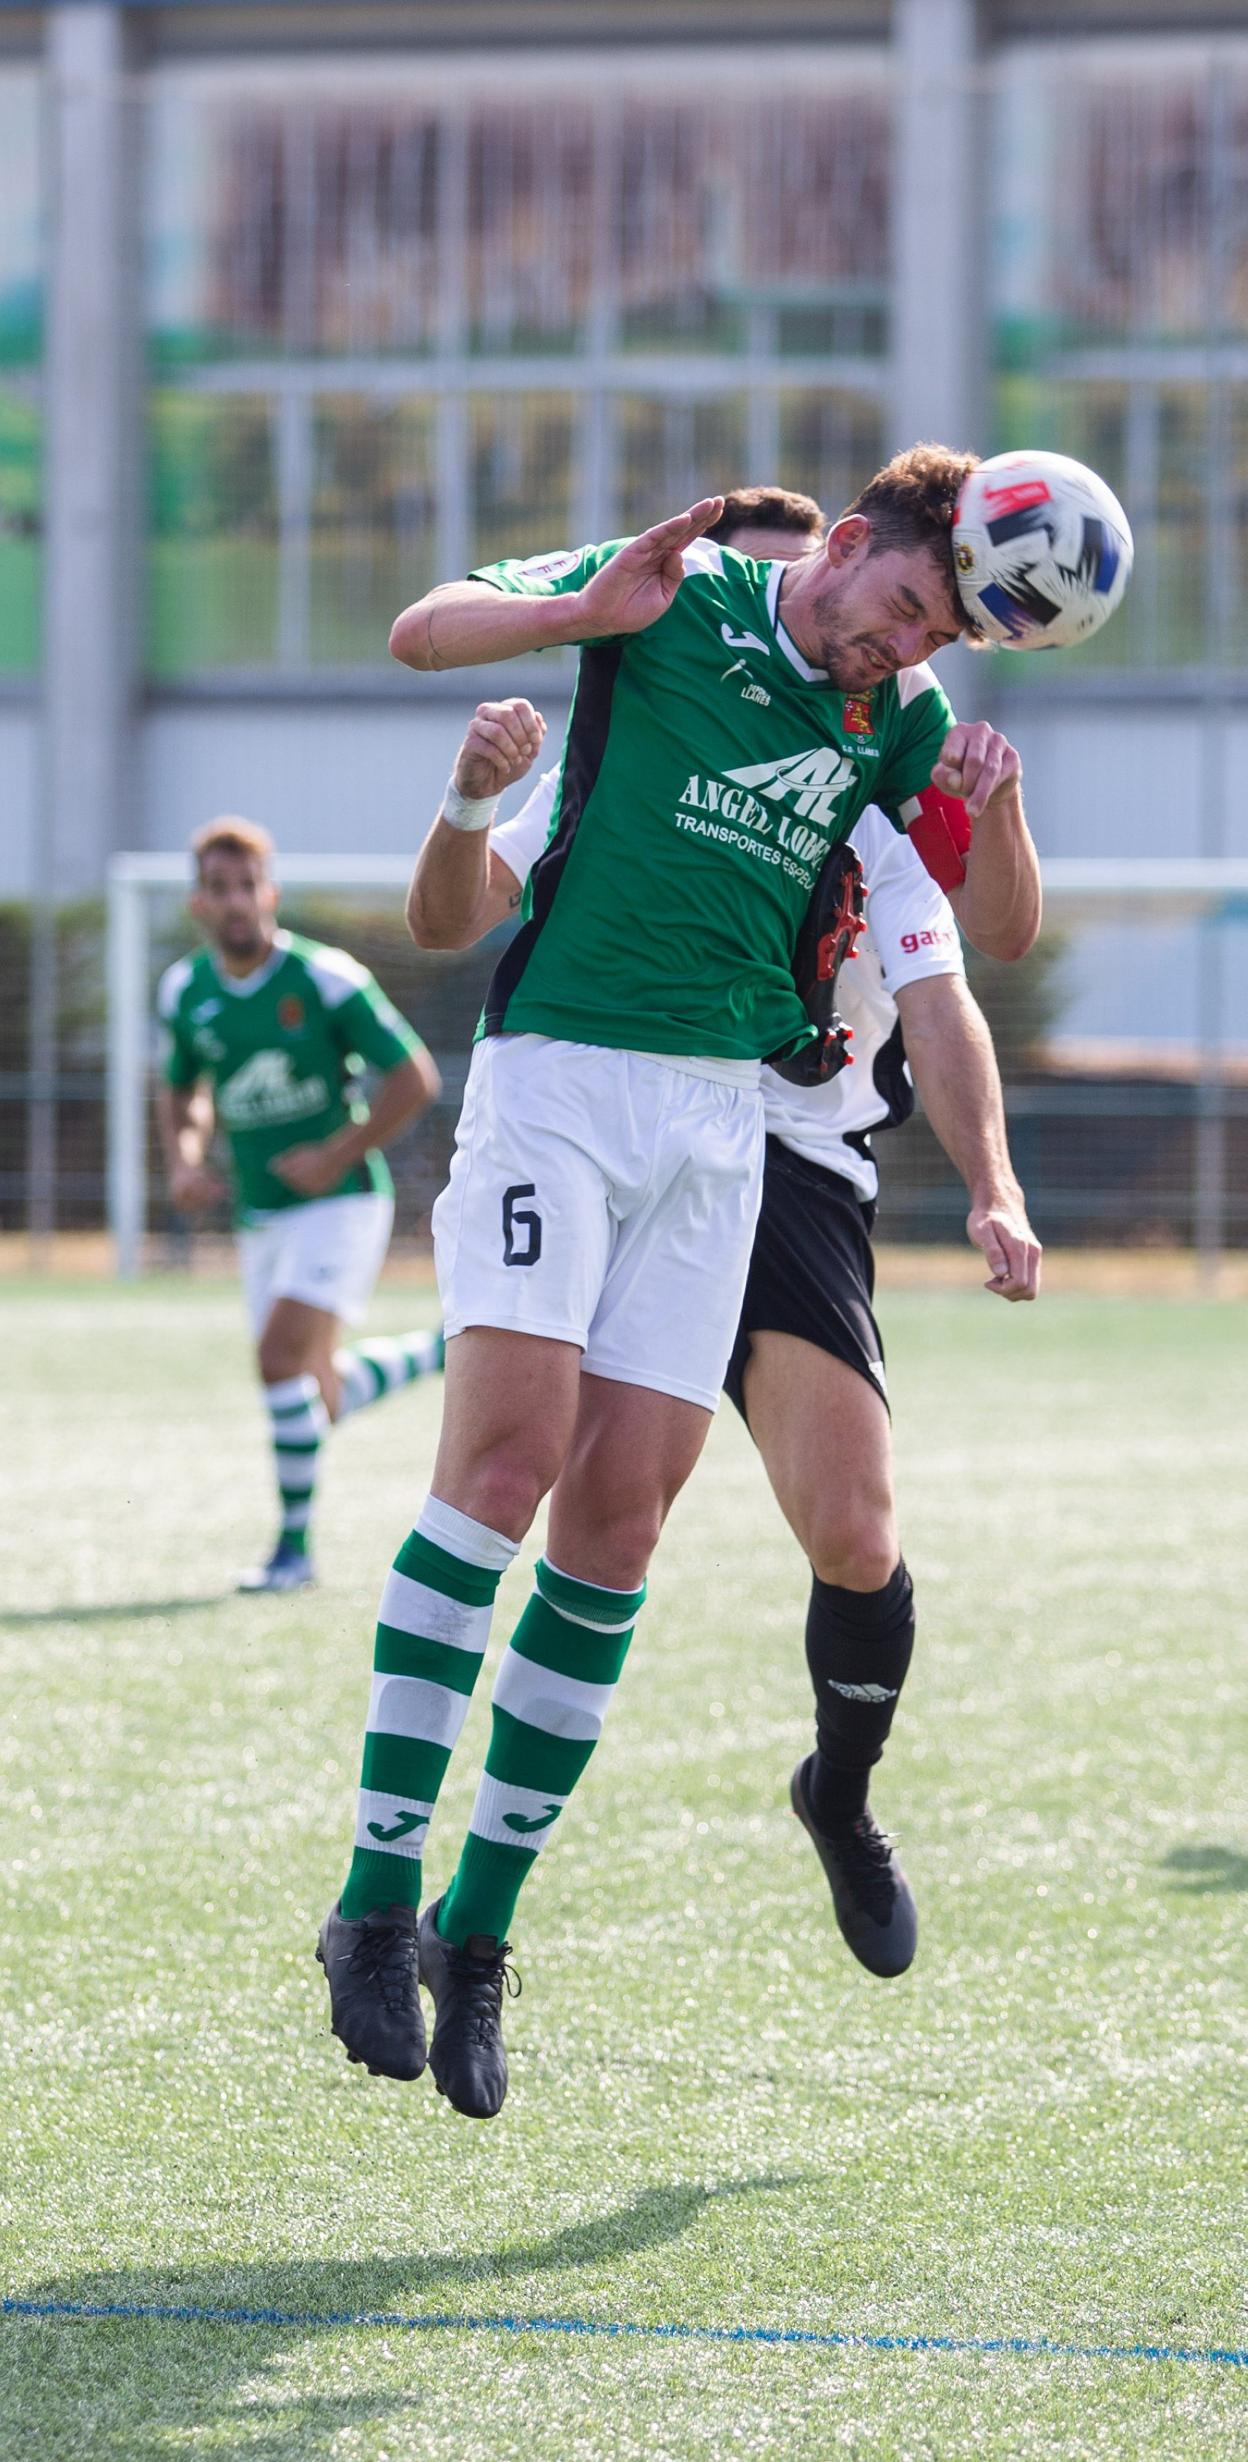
x=290, y=1013
x=856, y=716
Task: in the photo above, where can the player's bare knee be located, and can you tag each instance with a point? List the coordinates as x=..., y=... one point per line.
x=857, y=1552
x=605, y=1539
x=277, y=1357
x=503, y=1490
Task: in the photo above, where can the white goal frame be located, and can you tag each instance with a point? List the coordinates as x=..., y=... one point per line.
x=1096, y=889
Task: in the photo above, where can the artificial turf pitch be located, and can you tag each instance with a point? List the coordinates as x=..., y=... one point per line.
x=717, y=2120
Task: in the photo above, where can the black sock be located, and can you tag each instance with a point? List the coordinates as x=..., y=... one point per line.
x=859, y=1639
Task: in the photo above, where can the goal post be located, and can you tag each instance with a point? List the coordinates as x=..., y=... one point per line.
x=1095, y=904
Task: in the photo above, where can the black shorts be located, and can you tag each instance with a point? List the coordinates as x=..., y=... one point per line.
x=812, y=1273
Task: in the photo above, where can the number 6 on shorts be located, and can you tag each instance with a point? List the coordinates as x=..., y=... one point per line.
x=521, y=1219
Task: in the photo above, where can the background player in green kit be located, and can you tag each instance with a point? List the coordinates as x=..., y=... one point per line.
x=278, y=1028
x=731, y=722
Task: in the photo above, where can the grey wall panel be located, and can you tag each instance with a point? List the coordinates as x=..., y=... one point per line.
x=338, y=780
x=1133, y=781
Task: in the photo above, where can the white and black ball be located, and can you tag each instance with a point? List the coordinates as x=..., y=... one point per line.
x=1042, y=550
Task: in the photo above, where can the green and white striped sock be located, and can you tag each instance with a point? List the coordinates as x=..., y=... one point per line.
x=552, y=1693
x=300, y=1424
x=368, y=1371
x=432, y=1629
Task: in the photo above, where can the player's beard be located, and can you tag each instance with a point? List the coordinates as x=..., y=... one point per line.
x=843, y=654
x=246, y=941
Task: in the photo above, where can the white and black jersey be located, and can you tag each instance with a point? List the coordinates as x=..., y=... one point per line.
x=911, y=933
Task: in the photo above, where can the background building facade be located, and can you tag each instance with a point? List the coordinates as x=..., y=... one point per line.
x=303, y=306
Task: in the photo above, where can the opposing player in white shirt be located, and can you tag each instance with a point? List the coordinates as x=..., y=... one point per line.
x=807, y=1370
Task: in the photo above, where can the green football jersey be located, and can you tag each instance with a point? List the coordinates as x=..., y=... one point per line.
x=706, y=773
x=282, y=1048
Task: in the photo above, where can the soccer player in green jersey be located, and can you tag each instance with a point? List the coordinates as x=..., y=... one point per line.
x=807, y=1368
x=732, y=720
x=266, y=1032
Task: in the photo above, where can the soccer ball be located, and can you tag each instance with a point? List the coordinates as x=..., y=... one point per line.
x=1042, y=550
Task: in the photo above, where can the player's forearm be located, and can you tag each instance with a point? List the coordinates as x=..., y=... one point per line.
x=955, y=1071
x=999, y=905
x=447, y=901
x=469, y=624
x=401, y=1096
x=184, y=1119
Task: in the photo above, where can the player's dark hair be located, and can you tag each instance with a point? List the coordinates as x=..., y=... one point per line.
x=911, y=503
x=768, y=508
x=231, y=835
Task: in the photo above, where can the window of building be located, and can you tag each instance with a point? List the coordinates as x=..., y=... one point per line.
x=1121, y=297
x=402, y=320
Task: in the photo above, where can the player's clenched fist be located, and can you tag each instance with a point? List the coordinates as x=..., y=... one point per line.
x=502, y=742
x=976, y=764
x=193, y=1188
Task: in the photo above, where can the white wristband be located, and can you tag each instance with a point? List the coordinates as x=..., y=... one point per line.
x=462, y=812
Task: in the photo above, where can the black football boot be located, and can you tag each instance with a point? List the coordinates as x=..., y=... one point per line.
x=372, y=1966
x=870, y=1893
x=466, y=2055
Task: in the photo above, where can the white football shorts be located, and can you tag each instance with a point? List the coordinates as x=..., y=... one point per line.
x=606, y=1198
x=327, y=1253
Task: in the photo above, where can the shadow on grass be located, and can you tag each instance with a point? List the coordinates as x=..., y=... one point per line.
x=160, y=2380
x=118, y=1611
x=1200, y=1869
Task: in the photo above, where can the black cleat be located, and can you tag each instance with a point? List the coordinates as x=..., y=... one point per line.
x=870, y=1892
x=372, y=1966
x=466, y=2055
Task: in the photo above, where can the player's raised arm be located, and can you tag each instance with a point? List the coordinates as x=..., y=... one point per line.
x=954, y=1066
x=471, y=623
x=999, y=904
x=458, y=891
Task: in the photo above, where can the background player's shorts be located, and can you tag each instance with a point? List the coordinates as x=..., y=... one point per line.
x=328, y=1253
x=606, y=1198
x=812, y=1273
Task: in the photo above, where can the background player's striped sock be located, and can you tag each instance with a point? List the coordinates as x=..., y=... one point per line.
x=300, y=1424
x=551, y=1695
x=367, y=1371
x=432, y=1629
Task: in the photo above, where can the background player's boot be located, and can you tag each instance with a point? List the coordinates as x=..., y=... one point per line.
x=288, y=1568
x=466, y=2055
x=372, y=1967
x=870, y=1893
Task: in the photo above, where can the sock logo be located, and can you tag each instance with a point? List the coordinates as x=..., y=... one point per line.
x=521, y=1821
x=402, y=1828
x=863, y=1692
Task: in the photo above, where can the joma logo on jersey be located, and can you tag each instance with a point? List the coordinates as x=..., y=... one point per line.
x=265, y=1090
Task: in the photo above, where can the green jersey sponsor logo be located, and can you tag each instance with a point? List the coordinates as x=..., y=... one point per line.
x=266, y=1089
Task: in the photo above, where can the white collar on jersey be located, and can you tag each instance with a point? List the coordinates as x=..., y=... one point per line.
x=808, y=674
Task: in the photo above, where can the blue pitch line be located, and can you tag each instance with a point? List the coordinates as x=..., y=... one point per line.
x=1020, y=2344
